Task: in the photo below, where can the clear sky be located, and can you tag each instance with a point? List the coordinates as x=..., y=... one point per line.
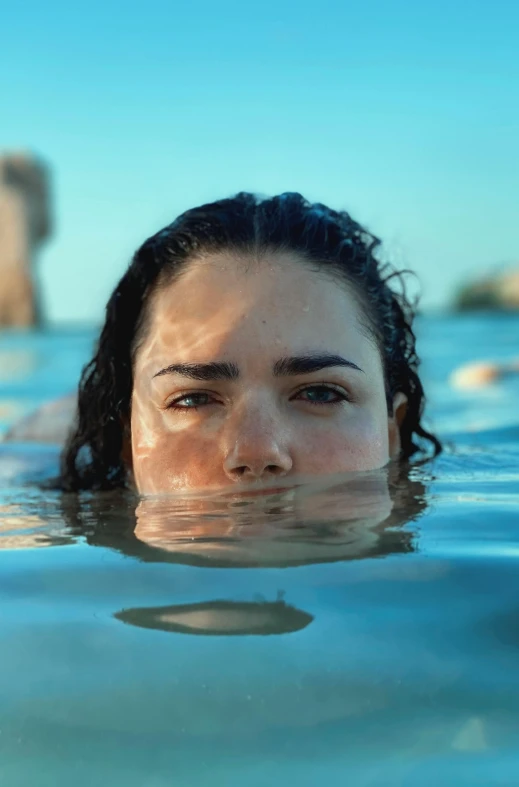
x=404, y=112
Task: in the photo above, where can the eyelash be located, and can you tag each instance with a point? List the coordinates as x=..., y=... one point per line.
x=343, y=397
x=175, y=406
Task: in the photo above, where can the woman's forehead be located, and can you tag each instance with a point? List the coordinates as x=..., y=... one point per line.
x=229, y=286
x=219, y=304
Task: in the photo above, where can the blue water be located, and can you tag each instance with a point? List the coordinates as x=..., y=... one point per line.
x=314, y=638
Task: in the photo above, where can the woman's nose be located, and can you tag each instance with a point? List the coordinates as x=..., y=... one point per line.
x=256, y=450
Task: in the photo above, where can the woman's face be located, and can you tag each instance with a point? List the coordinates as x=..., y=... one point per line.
x=256, y=372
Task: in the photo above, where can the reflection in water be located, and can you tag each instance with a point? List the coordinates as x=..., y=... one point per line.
x=337, y=519
x=20, y=529
x=347, y=517
x=220, y=618
x=341, y=518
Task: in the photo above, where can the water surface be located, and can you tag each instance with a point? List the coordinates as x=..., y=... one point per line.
x=364, y=631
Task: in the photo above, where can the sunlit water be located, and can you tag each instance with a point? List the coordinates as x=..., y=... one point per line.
x=364, y=631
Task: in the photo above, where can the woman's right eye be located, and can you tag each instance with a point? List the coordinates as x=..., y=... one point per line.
x=191, y=401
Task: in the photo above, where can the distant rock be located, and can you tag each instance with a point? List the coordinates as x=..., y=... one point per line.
x=24, y=223
x=499, y=292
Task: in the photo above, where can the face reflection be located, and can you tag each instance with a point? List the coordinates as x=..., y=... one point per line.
x=255, y=372
x=328, y=520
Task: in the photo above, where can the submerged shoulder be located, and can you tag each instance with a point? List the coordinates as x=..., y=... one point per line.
x=50, y=423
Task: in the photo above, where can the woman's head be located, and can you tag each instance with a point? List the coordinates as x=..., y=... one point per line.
x=250, y=340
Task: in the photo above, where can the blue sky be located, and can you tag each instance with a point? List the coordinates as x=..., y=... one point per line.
x=404, y=113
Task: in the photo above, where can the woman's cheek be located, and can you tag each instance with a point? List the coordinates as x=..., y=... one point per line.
x=359, y=444
x=174, y=462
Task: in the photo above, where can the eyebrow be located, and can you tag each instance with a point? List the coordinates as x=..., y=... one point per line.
x=311, y=362
x=203, y=371
x=284, y=367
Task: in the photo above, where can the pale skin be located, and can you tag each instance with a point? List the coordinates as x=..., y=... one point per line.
x=256, y=372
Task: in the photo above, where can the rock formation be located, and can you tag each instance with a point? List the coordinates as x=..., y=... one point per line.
x=498, y=292
x=24, y=224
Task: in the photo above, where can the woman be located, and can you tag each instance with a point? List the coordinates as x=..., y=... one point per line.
x=249, y=342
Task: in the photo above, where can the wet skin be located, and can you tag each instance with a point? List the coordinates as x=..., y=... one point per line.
x=256, y=371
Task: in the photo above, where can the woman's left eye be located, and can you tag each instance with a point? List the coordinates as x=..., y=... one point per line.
x=321, y=394
x=191, y=401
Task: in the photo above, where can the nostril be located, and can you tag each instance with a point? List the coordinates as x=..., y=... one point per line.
x=245, y=470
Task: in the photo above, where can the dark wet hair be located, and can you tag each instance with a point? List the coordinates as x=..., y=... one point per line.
x=327, y=239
